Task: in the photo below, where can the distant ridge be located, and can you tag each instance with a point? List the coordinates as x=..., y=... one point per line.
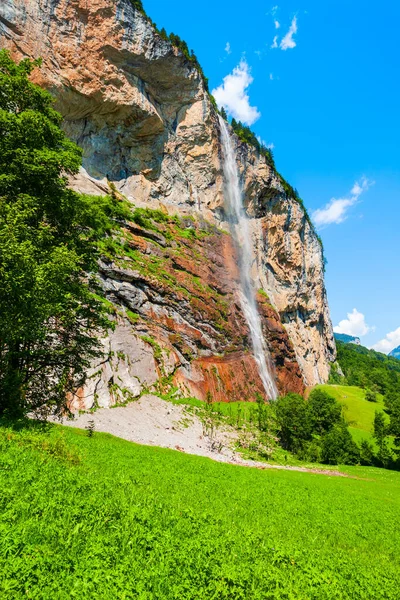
x=395, y=353
x=347, y=339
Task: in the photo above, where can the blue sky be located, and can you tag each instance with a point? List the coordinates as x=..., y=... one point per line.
x=325, y=92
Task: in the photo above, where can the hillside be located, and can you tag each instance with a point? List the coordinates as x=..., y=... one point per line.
x=109, y=519
x=347, y=339
x=358, y=411
x=367, y=368
x=395, y=353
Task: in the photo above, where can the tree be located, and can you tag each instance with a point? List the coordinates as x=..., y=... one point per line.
x=371, y=396
x=293, y=421
x=49, y=318
x=324, y=411
x=367, y=454
x=223, y=113
x=394, y=428
x=380, y=432
x=338, y=447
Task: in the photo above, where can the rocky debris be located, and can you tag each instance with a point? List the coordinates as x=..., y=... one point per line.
x=155, y=422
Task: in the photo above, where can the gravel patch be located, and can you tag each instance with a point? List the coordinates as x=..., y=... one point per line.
x=152, y=421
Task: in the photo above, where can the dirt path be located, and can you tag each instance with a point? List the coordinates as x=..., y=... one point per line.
x=154, y=422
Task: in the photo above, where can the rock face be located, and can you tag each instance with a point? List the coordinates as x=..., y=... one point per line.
x=140, y=111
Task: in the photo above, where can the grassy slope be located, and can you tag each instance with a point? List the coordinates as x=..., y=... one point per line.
x=131, y=521
x=357, y=411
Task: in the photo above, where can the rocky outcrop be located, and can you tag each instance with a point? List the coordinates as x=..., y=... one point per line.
x=140, y=111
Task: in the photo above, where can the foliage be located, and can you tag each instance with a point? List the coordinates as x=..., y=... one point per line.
x=335, y=375
x=49, y=318
x=337, y=446
x=223, y=114
x=369, y=369
x=131, y=521
x=247, y=136
x=394, y=427
x=380, y=434
x=367, y=453
x=324, y=411
x=315, y=429
x=370, y=396
x=293, y=420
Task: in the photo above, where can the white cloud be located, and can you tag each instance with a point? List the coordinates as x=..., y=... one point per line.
x=232, y=95
x=277, y=24
x=288, y=41
x=271, y=76
x=264, y=143
x=336, y=209
x=228, y=48
x=354, y=324
x=275, y=42
x=391, y=341
x=274, y=10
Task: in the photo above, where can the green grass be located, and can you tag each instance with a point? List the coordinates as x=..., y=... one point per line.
x=134, y=522
x=357, y=411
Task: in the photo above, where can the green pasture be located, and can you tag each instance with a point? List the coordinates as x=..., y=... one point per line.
x=99, y=517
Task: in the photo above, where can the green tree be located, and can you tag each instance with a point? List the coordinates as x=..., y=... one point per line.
x=394, y=428
x=367, y=454
x=380, y=432
x=49, y=319
x=371, y=396
x=223, y=113
x=324, y=411
x=338, y=447
x=293, y=421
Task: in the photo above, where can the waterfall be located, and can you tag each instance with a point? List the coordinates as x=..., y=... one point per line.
x=241, y=234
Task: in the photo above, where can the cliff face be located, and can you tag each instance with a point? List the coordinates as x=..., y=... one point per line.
x=139, y=110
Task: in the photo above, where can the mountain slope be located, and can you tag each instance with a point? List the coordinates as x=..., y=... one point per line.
x=395, y=353
x=368, y=368
x=347, y=339
x=140, y=110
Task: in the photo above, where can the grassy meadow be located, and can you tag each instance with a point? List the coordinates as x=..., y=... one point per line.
x=99, y=517
x=358, y=412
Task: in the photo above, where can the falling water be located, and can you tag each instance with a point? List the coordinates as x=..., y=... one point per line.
x=241, y=235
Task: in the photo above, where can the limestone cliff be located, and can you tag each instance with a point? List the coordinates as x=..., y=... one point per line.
x=140, y=111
